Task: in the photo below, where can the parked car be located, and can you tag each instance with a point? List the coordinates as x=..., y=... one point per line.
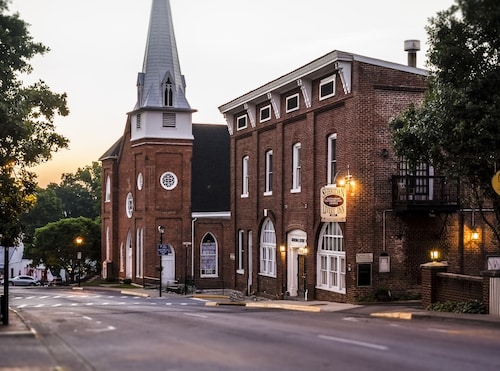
x=24, y=281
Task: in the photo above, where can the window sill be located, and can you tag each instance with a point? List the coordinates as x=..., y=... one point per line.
x=240, y=271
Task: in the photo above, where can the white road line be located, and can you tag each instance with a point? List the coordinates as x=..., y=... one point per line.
x=87, y=318
x=196, y=315
x=108, y=328
x=56, y=305
x=354, y=342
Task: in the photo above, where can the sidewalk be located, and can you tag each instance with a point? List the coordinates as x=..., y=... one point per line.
x=390, y=311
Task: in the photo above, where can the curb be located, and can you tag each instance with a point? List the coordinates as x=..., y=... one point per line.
x=303, y=308
x=134, y=293
x=393, y=315
x=30, y=332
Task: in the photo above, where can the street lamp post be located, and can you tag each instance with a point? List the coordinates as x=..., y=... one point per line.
x=79, y=242
x=161, y=229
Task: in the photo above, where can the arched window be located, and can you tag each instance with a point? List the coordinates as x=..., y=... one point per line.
x=268, y=249
x=139, y=252
x=331, y=259
x=169, y=93
x=208, y=256
x=108, y=190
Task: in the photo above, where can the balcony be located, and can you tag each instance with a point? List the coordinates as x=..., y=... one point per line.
x=424, y=193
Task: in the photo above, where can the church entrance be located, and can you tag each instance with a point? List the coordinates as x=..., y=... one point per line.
x=168, y=265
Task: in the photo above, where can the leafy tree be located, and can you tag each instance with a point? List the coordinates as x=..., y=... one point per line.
x=27, y=131
x=55, y=244
x=48, y=208
x=81, y=192
x=456, y=128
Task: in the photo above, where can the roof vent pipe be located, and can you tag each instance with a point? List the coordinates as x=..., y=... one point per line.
x=412, y=47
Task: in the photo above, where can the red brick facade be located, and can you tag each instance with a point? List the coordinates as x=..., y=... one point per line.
x=368, y=94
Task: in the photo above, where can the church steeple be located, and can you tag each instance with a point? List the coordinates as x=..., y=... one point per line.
x=161, y=83
x=161, y=101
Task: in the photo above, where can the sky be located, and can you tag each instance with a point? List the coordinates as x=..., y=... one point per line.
x=226, y=49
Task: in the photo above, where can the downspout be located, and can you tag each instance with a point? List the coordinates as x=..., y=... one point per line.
x=193, y=221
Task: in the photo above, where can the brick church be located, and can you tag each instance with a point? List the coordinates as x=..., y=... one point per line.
x=299, y=195
x=166, y=180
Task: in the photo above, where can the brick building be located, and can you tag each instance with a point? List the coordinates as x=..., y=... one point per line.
x=298, y=196
x=321, y=208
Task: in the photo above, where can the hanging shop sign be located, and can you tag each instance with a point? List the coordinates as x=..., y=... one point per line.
x=333, y=204
x=495, y=182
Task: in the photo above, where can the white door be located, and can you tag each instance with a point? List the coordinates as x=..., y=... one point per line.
x=168, y=272
x=296, y=241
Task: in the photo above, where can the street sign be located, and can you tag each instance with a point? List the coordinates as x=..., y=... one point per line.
x=165, y=249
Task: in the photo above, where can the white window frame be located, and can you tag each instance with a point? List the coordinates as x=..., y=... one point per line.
x=241, y=252
x=245, y=163
x=242, y=119
x=332, y=158
x=288, y=99
x=209, y=257
x=326, y=81
x=296, y=168
x=268, y=249
x=264, y=109
x=331, y=259
x=268, y=180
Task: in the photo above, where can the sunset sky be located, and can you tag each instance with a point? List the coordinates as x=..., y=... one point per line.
x=226, y=48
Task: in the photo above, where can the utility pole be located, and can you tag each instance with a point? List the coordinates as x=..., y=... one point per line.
x=5, y=298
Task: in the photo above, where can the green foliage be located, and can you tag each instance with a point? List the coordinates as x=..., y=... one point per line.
x=27, y=131
x=55, y=244
x=80, y=192
x=471, y=307
x=456, y=127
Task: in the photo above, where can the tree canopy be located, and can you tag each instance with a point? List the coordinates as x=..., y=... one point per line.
x=27, y=130
x=456, y=129
x=56, y=246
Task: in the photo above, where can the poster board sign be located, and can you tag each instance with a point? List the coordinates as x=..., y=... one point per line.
x=333, y=204
x=165, y=249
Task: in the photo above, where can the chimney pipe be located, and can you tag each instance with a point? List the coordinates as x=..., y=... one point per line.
x=412, y=47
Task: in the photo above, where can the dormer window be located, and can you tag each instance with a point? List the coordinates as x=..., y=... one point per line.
x=169, y=93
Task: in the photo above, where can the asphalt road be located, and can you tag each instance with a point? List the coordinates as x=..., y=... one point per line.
x=110, y=331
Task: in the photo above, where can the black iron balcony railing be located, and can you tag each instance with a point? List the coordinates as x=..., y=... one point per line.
x=424, y=193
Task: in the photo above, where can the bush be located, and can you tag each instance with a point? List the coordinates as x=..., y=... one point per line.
x=470, y=306
x=127, y=281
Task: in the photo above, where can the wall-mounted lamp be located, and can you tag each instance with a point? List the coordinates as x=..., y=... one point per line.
x=474, y=231
x=282, y=248
x=348, y=182
x=434, y=255
x=474, y=234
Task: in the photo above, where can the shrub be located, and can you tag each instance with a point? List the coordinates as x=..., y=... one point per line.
x=470, y=306
x=127, y=281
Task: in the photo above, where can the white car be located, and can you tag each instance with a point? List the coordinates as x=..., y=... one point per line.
x=24, y=281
